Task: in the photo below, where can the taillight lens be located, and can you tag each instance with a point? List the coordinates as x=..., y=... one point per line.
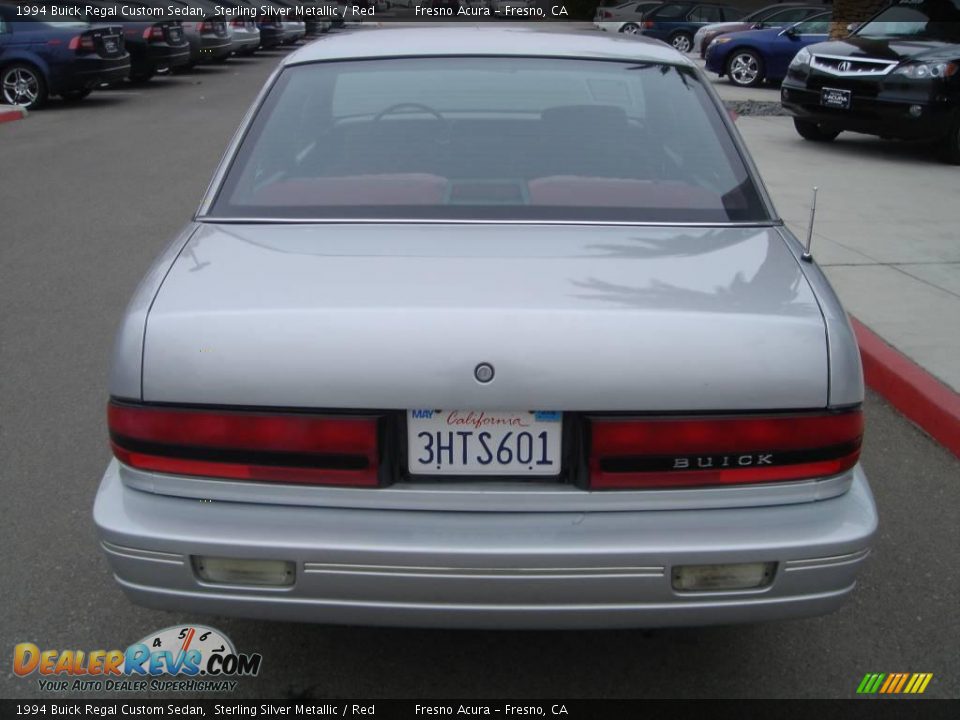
x=82, y=43
x=272, y=447
x=154, y=32
x=648, y=24
x=607, y=14
x=238, y=24
x=671, y=452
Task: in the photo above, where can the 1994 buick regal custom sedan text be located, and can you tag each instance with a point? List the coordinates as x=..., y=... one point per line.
x=486, y=328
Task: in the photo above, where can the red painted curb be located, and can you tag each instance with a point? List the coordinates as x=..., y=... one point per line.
x=9, y=113
x=928, y=402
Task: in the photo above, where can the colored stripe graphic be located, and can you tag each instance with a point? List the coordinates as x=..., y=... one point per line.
x=894, y=683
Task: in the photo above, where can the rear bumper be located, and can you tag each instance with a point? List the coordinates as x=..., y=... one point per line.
x=167, y=56
x=484, y=569
x=888, y=116
x=248, y=42
x=90, y=72
x=215, y=48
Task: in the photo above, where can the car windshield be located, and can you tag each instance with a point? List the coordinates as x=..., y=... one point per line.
x=490, y=138
x=922, y=19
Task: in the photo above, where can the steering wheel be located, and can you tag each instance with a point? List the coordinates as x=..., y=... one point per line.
x=409, y=106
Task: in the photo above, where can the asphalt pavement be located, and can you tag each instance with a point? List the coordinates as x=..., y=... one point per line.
x=89, y=194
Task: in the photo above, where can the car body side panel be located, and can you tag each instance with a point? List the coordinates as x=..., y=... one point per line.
x=125, y=368
x=846, y=370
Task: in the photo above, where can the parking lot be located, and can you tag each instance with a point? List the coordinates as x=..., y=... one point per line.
x=91, y=193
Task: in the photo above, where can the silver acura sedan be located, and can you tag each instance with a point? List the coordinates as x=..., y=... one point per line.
x=486, y=328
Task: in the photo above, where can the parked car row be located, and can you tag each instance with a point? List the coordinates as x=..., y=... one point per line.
x=43, y=54
x=674, y=23
x=896, y=75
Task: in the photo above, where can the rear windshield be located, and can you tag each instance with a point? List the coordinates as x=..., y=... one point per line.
x=490, y=139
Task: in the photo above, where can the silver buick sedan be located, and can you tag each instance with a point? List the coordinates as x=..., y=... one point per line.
x=486, y=328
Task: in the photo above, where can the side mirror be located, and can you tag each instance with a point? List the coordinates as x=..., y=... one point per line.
x=851, y=27
x=757, y=26
x=791, y=32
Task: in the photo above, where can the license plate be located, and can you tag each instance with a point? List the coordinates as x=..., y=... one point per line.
x=174, y=36
x=832, y=97
x=479, y=442
x=110, y=44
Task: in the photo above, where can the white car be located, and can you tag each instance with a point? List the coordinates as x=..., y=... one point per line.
x=625, y=18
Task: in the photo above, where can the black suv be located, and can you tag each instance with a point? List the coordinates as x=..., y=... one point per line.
x=896, y=76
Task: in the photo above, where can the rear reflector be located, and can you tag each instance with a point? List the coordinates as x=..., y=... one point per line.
x=236, y=571
x=739, y=576
x=272, y=447
x=688, y=452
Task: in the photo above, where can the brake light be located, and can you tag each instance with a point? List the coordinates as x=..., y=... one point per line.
x=82, y=43
x=238, y=23
x=154, y=32
x=648, y=24
x=265, y=446
x=607, y=14
x=685, y=452
x=204, y=26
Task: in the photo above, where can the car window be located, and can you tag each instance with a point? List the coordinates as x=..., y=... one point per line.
x=785, y=17
x=762, y=14
x=932, y=19
x=813, y=27
x=705, y=13
x=670, y=12
x=490, y=138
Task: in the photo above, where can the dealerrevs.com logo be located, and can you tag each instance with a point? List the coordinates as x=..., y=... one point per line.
x=179, y=658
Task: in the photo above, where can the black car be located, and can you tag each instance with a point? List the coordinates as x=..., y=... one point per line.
x=152, y=46
x=896, y=76
x=66, y=57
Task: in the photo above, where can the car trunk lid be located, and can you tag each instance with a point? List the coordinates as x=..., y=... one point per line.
x=573, y=318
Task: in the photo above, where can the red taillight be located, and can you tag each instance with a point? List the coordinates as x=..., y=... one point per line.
x=154, y=32
x=648, y=24
x=82, y=43
x=273, y=447
x=607, y=14
x=686, y=452
x=238, y=23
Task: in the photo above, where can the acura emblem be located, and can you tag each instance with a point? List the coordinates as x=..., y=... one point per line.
x=483, y=372
x=845, y=66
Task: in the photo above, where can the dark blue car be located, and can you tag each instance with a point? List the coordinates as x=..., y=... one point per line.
x=677, y=23
x=40, y=57
x=748, y=58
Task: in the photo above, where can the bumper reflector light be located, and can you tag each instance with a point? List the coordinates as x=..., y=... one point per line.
x=739, y=576
x=237, y=571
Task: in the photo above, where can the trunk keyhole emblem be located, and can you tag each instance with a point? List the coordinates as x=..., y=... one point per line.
x=483, y=372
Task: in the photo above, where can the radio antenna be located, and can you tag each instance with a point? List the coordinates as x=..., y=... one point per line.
x=807, y=255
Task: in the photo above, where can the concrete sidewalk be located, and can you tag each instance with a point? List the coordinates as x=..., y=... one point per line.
x=887, y=232
x=888, y=236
